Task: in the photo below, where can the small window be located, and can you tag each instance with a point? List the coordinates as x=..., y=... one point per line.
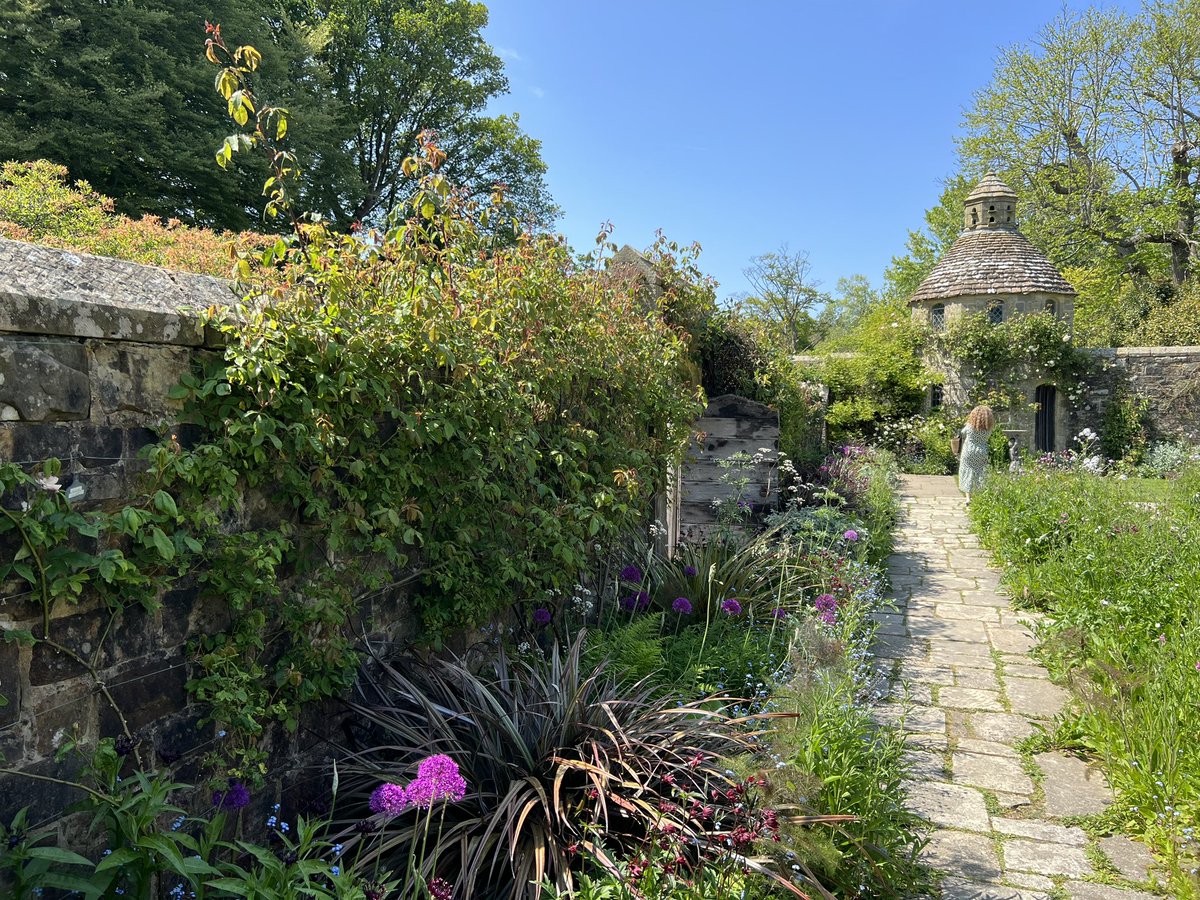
x=937, y=396
x=937, y=317
x=1052, y=307
x=995, y=312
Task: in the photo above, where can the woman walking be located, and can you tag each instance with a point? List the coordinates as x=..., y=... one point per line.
x=973, y=459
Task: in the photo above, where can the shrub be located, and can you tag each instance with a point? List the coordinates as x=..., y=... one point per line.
x=731, y=356
x=1168, y=458
x=880, y=379
x=38, y=203
x=1125, y=430
x=1172, y=323
x=551, y=752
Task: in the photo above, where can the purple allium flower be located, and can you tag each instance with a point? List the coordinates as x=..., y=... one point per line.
x=689, y=571
x=388, y=799
x=682, y=605
x=437, y=778
x=826, y=606
x=732, y=607
x=632, y=574
x=825, y=602
x=237, y=796
x=440, y=889
x=541, y=617
x=779, y=613
x=639, y=601
x=851, y=535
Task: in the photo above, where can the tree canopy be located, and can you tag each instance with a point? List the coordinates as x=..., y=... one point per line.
x=119, y=93
x=784, y=296
x=1098, y=124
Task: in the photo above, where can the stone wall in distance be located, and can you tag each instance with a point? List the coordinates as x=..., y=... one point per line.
x=1167, y=378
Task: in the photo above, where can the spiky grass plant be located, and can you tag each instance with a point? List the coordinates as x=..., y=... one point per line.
x=554, y=756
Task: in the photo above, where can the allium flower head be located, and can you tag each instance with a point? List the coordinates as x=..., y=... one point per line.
x=779, y=613
x=237, y=796
x=631, y=574
x=851, y=535
x=388, y=799
x=440, y=889
x=638, y=601
x=732, y=607
x=541, y=617
x=682, y=605
x=826, y=605
x=689, y=571
x=437, y=778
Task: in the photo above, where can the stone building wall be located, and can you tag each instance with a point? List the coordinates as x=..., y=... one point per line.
x=89, y=349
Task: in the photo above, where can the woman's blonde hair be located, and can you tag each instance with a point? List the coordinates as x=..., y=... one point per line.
x=982, y=418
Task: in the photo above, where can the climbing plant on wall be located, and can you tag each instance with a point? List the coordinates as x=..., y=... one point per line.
x=1000, y=359
x=418, y=408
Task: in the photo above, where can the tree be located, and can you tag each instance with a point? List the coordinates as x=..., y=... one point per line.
x=396, y=68
x=841, y=314
x=784, y=296
x=1097, y=124
x=120, y=93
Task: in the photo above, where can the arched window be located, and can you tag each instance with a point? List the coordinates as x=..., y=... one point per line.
x=995, y=312
x=1052, y=306
x=937, y=396
x=937, y=316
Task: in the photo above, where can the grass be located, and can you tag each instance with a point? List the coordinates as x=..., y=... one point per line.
x=1116, y=563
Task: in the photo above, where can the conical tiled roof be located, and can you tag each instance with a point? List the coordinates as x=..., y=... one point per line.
x=991, y=258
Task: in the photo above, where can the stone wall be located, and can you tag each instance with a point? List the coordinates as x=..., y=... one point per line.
x=89, y=349
x=1167, y=378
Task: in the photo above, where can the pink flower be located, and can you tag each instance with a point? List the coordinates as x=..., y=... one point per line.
x=850, y=535
x=388, y=799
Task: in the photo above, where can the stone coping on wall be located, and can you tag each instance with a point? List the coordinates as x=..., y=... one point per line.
x=1121, y=352
x=50, y=291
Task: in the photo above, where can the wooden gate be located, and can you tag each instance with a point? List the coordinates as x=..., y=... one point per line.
x=732, y=428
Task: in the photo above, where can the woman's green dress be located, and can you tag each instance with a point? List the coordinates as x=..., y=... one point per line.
x=973, y=460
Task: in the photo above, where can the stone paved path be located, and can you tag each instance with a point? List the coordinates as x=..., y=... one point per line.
x=1004, y=823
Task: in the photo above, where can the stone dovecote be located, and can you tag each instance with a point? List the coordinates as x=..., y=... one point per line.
x=991, y=260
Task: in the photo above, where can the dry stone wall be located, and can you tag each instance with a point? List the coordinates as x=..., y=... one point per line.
x=1167, y=378
x=89, y=350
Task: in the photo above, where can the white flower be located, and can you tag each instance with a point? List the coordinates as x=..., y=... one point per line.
x=48, y=483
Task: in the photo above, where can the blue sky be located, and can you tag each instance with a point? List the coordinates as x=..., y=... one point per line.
x=827, y=126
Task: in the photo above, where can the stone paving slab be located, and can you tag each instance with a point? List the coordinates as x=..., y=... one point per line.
x=961, y=653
